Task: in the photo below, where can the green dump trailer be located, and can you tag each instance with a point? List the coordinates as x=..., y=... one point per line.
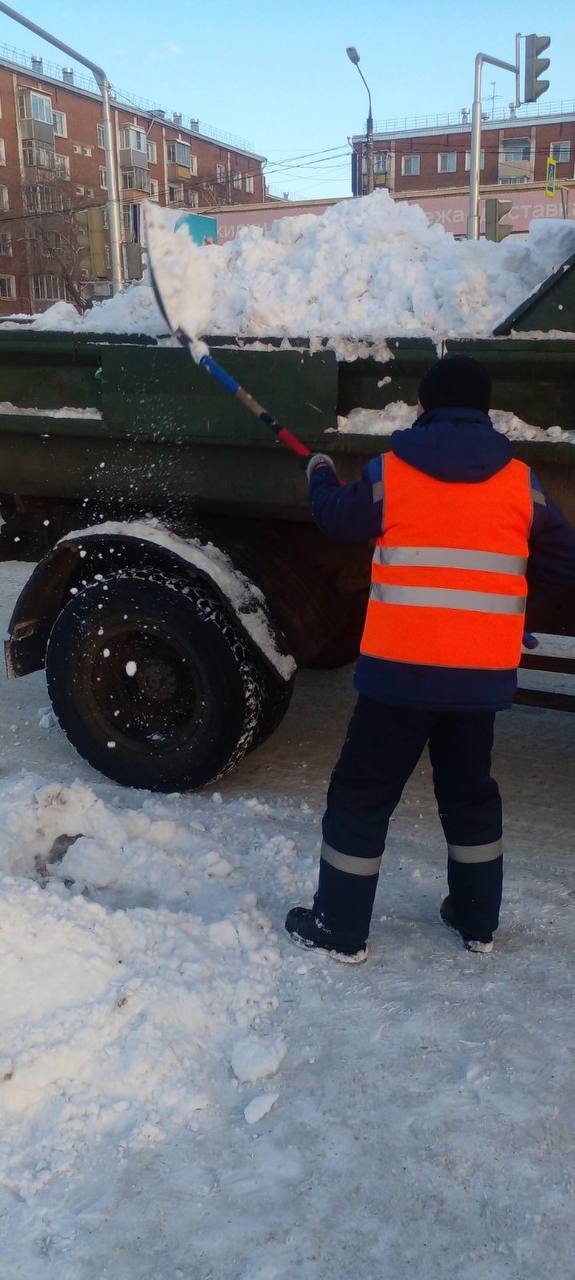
x=172, y=621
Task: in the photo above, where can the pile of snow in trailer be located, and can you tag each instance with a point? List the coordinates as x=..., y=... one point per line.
x=365, y=269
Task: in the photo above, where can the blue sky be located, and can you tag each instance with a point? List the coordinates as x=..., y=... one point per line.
x=277, y=74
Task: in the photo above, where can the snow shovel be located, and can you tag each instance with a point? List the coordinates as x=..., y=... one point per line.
x=166, y=298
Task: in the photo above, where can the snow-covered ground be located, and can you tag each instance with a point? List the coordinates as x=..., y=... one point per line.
x=185, y=1096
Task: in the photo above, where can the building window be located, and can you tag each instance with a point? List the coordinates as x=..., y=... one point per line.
x=250, y=183
x=35, y=106
x=5, y=244
x=152, y=152
x=468, y=160
x=180, y=153
x=46, y=288
x=87, y=151
x=77, y=148
x=447, y=162
x=154, y=189
x=4, y=203
x=42, y=199
x=561, y=151
x=100, y=134
x=2, y=151
x=60, y=125
x=192, y=199
x=514, y=181
x=410, y=166
x=103, y=177
x=62, y=165
x=220, y=173
x=132, y=139
x=175, y=193
x=7, y=287
x=381, y=162
x=237, y=180
x=516, y=150
x=80, y=191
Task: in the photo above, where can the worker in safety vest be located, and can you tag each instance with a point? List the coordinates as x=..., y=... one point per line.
x=455, y=520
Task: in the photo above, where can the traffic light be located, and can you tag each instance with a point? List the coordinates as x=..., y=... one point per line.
x=534, y=66
x=495, y=210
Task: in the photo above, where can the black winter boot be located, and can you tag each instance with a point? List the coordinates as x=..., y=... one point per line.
x=484, y=944
x=307, y=928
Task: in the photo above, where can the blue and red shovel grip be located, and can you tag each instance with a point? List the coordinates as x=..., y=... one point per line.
x=231, y=384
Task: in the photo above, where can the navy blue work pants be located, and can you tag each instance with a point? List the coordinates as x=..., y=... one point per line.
x=381, y=750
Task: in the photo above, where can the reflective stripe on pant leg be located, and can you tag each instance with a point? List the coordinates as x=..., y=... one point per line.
x=351, y=866
x=475, y=852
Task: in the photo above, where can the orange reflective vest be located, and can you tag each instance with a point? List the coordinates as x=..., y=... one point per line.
x=448, y=585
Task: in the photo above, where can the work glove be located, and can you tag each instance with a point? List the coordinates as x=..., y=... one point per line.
x=318, y=460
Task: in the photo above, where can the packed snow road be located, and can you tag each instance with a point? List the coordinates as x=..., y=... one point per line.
x=183, y=1094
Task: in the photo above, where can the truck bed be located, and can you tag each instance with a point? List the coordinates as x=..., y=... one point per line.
x=132, y=423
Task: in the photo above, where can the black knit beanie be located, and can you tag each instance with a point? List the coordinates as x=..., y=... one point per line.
x=456, y=382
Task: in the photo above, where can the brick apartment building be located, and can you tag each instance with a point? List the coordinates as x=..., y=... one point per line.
x=53, y=188
x=433, y=156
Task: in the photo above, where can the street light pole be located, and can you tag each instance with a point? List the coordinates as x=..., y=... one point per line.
x=110, y=149
x=353, y=56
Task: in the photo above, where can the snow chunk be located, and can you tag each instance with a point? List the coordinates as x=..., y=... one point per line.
x=259, y=1107
x=254, y=1058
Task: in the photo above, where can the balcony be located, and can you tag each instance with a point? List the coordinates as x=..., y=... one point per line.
x=136, y=179
x=36, y=131
x=178, y=172
x=131, y=158
x=37, y=155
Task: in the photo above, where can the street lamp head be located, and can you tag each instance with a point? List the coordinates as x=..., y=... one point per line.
x=352, y=54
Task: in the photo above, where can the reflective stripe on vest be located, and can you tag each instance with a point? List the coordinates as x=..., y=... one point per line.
x=448, y=576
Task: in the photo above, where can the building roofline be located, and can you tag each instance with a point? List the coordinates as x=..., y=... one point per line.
x=122, y=102
x=502, y=191
x=505, y=122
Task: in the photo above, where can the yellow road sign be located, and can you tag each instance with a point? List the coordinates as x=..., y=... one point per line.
x=551, y=177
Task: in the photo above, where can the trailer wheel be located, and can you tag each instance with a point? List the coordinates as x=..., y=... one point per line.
x=152, y=684
x=276, y=699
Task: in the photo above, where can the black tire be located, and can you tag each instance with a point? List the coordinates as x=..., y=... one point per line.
x=276, y=699
x=192, y=708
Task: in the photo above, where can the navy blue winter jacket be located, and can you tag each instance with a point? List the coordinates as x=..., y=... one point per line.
x=461, y=446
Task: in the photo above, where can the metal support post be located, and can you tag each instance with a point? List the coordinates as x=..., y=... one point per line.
x=475, y=157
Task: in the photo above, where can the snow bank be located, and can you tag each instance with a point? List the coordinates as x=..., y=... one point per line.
x=247, y=600
x=366, y=269
x=398, y=415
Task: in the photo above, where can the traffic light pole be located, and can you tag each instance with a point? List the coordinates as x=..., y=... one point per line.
x=114, y=216
x=475, y=157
